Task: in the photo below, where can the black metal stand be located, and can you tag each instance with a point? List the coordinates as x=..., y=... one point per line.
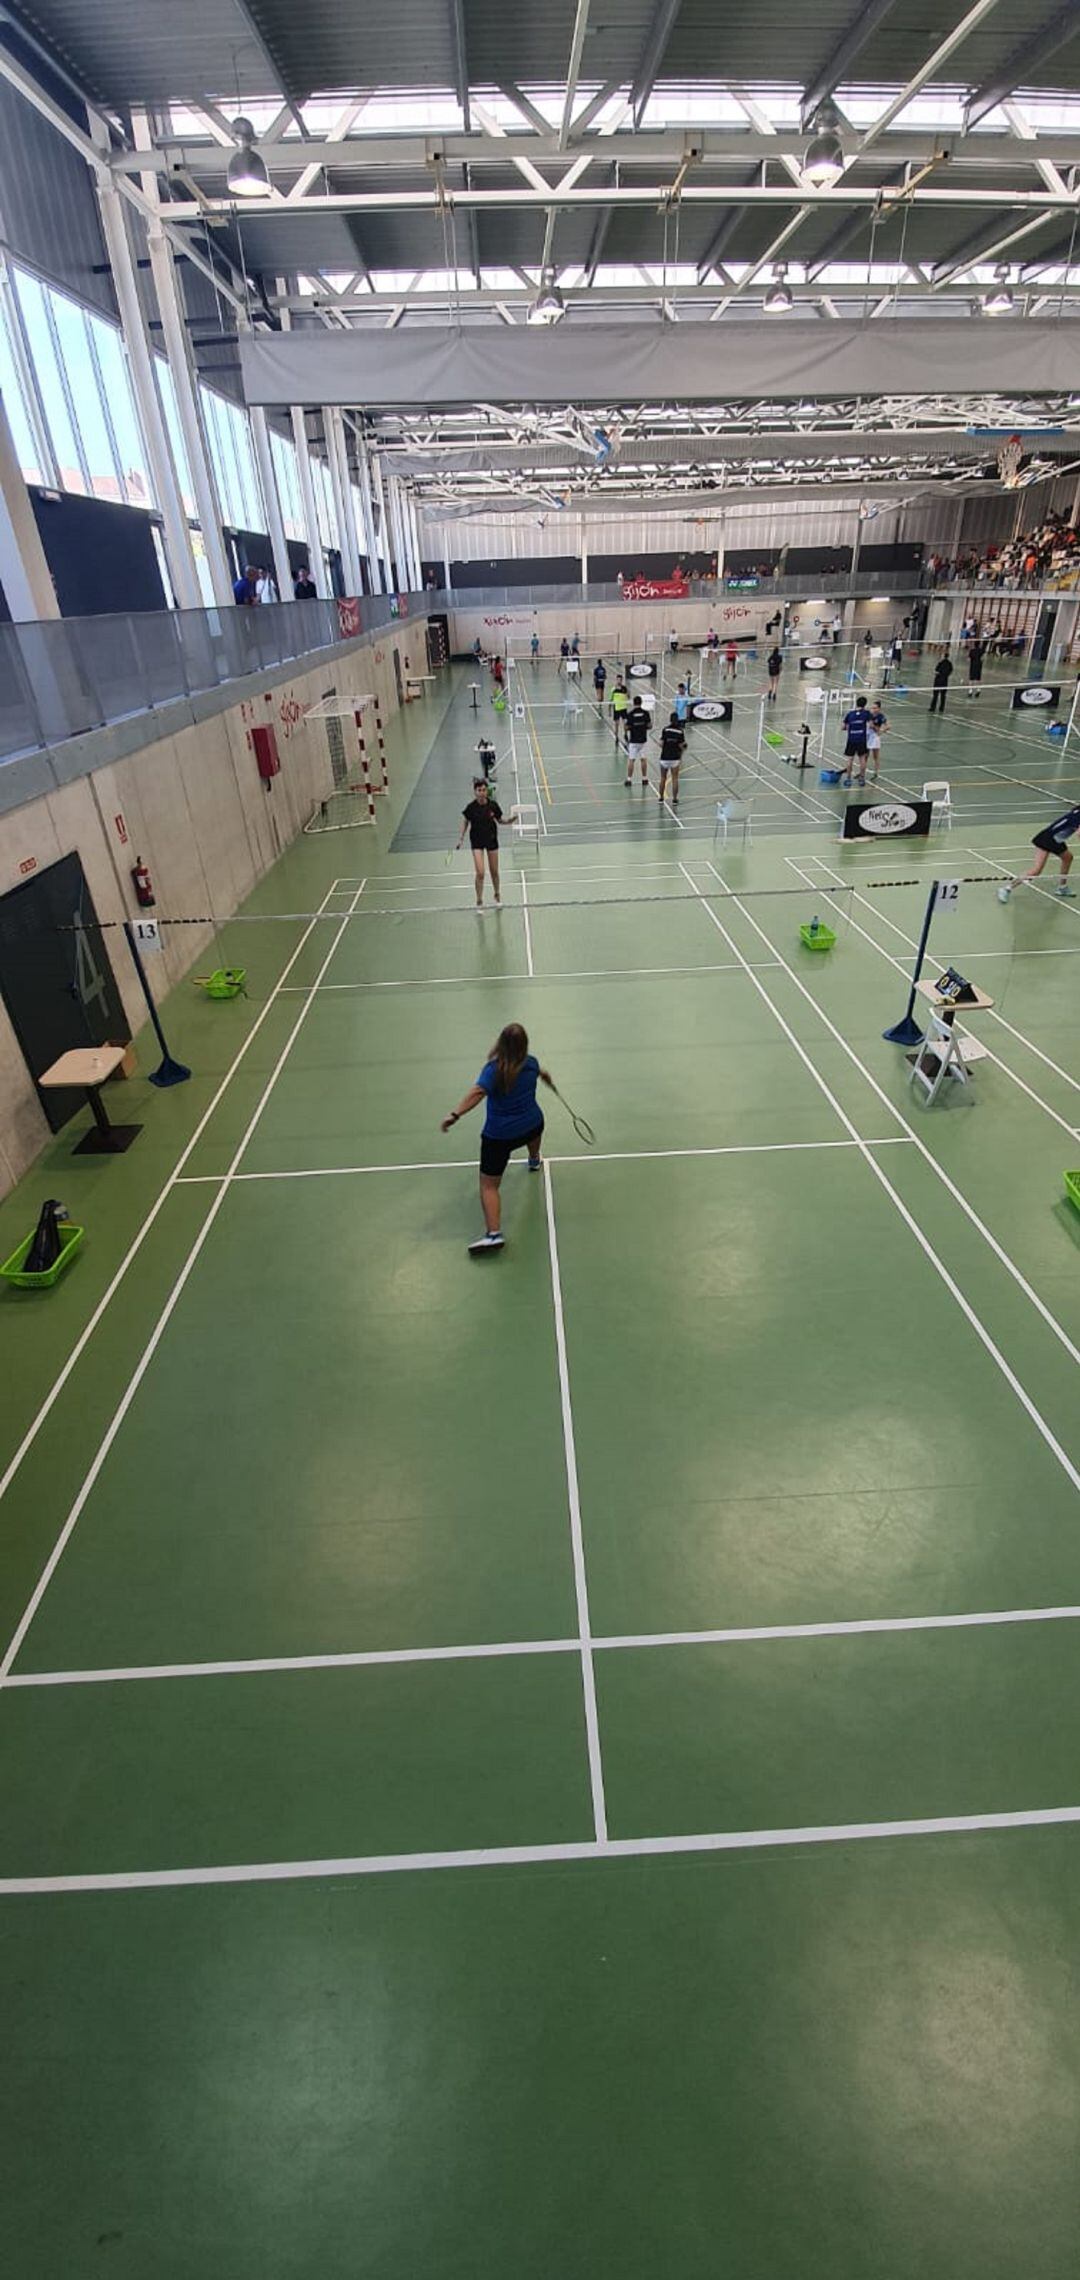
x=170, y=1072
x=106, y=1139
x=907, y=1031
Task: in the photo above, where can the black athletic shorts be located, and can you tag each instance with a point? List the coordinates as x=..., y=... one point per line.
x=1048, y=845
x=495, y=1154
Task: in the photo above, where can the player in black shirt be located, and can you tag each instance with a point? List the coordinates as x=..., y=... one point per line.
x=481, y=819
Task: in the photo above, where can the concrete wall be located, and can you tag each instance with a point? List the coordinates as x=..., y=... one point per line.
x=198, y=814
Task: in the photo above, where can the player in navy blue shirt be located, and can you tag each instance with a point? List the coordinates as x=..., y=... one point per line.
x=856, y=722
x=507, y=1082
x=1052, y=840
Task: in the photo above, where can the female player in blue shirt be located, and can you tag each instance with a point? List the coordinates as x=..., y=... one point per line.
x=507, y=1082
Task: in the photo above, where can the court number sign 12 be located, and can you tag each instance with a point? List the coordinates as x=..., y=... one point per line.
x=946, y=894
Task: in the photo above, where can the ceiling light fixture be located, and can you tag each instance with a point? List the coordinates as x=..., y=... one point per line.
x=823, y=160
x=999, y=302
x=778, y=296
x=246, y=173
x=549, y=305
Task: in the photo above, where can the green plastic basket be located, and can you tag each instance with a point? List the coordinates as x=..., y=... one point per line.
x=1072, y=1188
x=13, y=1270
x=822, y=938
x=227, y=982
x=773, y=737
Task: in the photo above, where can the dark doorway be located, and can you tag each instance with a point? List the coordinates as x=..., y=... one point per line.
x=55, y=977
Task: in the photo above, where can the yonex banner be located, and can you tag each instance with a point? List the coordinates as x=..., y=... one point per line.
x=1036, y=696
x=814, y=662
x=642, y=671
x=711, y=708
x=887, y=819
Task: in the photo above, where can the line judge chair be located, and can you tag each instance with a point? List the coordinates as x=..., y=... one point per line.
x=526, y=823
x=940, y=798
x=941, y=1055
x=733, y=811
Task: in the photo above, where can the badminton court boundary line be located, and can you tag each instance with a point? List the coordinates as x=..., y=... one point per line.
x=938, y=1170
x=256, y=1666
x=577, y=1542
x=590, y=1156
x=1041, y=1424
x=161, y=1324
x=896, y=963
x=141, y=1233
x=465, y=981
x=523, y=1856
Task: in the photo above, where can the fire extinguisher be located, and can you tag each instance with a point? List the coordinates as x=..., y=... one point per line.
x=143, y=885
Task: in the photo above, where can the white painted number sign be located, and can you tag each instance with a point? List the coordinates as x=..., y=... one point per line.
x=948, y=894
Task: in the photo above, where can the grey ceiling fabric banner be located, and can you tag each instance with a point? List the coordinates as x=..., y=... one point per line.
x=599, y=364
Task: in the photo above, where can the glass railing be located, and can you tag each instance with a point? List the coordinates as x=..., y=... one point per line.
x=63, y=677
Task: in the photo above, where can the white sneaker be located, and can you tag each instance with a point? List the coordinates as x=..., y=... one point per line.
x=486, y=1243
x=1064, y=893
x=1004, y=893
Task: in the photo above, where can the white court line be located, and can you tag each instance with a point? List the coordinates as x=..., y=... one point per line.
x=951, y=1285
x=579, y=974
x=581, y=1589
x=163, y=1319
x=528, y=929
x=524, y=1856
x=139, y=1238
x=938, y=1170
x=753, y=1634
x=590, y=1156
x=1014, y=1078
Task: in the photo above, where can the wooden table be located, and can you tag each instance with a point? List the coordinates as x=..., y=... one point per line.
x=87, y=1069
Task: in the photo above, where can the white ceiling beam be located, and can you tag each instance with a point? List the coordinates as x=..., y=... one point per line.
x=660, y=147
x=930, y=69
x=991, y=252
x=1033, y=51
x=577, y=42
x=869, y=14
x=529, y=112
x=653, y=193
x=338, y=130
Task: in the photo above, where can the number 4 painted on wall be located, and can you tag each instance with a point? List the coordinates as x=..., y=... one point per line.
x=89, y=980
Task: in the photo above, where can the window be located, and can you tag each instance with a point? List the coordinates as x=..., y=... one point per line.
x=73, y=346
x=283, y=454
x=119, y=399
x=229, y=438
x=167, y=392
x=52, y=387
x=20, y=422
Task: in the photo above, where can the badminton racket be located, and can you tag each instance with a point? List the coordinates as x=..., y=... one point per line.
x=584, y=1131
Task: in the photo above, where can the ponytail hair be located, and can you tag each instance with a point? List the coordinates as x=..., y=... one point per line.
x=508, y=1053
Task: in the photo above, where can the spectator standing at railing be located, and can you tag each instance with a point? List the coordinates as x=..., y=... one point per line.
x=244, y=587
x=304, y=587
x=265, y=589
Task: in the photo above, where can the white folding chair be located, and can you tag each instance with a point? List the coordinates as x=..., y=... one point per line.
x=939, y=1056
x=526, y=823
x=940, y=798
x=733, y=811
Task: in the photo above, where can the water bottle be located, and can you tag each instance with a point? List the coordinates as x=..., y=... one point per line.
x=815, y=924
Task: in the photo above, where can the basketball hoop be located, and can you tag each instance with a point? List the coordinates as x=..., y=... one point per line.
x=1009, y=457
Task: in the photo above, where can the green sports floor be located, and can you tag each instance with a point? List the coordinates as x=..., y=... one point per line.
x=567, y=1764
